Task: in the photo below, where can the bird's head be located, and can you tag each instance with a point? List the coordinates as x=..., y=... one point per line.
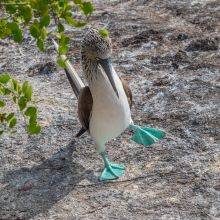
x=96, y=50
x=95, y=47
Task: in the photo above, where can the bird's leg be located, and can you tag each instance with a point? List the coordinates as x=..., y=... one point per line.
x=145, y=135
x=112, y=170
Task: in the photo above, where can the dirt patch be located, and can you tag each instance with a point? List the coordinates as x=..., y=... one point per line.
x=143, y=37
x=203, y=45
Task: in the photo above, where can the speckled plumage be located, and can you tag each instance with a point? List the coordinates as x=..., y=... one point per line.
x=93, y=47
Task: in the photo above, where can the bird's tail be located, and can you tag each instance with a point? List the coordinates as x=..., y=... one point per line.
x=74, y=79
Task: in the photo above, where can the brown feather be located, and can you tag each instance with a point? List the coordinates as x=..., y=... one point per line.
x=80, y=132
x=84, y=109
x=127, y=91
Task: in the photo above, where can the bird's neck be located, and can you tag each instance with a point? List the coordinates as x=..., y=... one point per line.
x=98, y=82
x=90, y=68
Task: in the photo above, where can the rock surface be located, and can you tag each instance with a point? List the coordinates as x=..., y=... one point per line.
x=169, y=53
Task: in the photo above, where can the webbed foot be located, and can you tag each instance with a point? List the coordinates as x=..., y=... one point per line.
x=145, y=135
x=112, y=170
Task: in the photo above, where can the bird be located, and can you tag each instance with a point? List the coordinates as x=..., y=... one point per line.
x=104, y=104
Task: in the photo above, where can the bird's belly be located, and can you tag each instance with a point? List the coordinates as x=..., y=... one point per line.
x=110, y=117
x=110, y=113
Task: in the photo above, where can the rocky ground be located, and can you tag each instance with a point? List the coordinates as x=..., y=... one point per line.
x=168, y=50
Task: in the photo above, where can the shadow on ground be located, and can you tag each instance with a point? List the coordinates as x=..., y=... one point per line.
x=28, y=192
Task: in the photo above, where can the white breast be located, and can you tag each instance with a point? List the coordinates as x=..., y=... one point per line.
x=110, y=114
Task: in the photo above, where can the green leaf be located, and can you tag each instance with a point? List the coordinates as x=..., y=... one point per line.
x=78, y=2
x=15, y=84
x=4, y=30
x=27, y=90
x=69, y=20
x=9, y=117
x=17, y=88
x=34, y=30
x=25, y=86
x=66, y=14
x=63, y=44
x=2, y=103
x=11, y=9
x=87, y=8
x=62, y=4
x=16, y=32
x=41, y=6
x=103, y=32
x=33, y=119
x=63, y=49
x=60, y=28
x=13, y=122
x=26, y=13
x=61, y=63
x=68, y=7
x=4, y=78
x=40, y=44
x=75, y=23
x=34, y=128
x=22, y=103
x=14, y=99
x=5, y=91
x=43, y=33
x=45, y=21
x=31, y=111
x=64, y=40
x=1, y=132
x=79, y=24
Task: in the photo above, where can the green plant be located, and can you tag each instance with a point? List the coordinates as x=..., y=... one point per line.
x=41, y=18
x=37, y=15
x=20, y=95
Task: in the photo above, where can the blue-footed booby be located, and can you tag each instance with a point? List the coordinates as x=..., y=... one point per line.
x=104, y=104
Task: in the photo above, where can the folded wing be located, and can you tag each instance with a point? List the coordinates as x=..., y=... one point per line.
x=127, y=91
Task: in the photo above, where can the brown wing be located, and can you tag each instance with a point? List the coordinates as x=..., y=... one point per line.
x=127, y=91
x=84, y=109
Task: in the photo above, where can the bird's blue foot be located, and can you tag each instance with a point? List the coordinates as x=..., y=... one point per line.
x=145, y=135
x=112, y=170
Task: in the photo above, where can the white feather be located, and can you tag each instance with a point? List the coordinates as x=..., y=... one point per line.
x=110, y=114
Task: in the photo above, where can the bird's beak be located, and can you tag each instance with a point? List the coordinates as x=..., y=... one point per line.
x=108, y=69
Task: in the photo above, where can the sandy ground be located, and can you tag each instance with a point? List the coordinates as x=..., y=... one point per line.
x=169, y=53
